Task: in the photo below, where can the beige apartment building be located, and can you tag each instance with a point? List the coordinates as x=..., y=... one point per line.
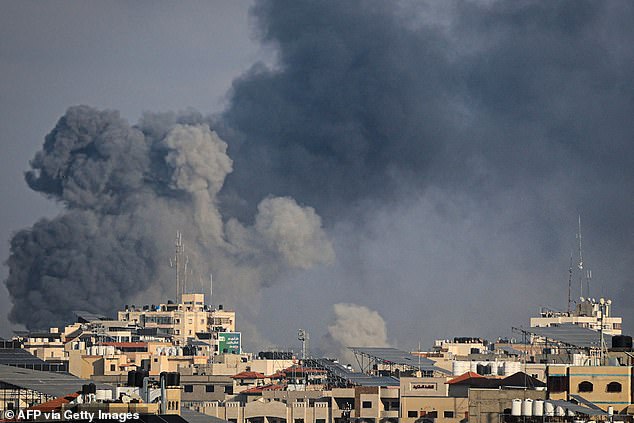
x=589, y=313
x=428, y=397
x=183, y=320
x=605, y=386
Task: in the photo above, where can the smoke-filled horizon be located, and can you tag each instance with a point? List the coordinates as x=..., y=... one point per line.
x=422, y=164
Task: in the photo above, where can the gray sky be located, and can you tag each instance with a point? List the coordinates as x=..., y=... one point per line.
x=448, y=147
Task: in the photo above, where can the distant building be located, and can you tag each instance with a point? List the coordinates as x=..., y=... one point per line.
x=182, y=321
x=589, y=313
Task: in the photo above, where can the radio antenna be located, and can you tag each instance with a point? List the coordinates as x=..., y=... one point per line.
x=580, y=263
x=569, y=283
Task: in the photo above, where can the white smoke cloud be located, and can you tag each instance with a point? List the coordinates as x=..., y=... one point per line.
x=354, y=326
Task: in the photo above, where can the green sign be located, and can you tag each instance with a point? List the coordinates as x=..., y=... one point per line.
x=229, y=343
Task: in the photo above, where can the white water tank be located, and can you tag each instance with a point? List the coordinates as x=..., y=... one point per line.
x=538, y=408
x=559, y=411
x=610, y=411
x=460, y=367
x=512, y=367
x=495, y=368
x=549, y=409
x=527, y=407
x=103, y=395
x=516, y=407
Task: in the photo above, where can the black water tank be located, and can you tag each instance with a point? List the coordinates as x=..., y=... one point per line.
x=174, y=379
x=131, y=377
x=220, y=307
x=622, y=341
x=171, y=378
x=140, y=375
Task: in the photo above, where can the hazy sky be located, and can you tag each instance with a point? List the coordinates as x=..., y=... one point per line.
x=446, y=148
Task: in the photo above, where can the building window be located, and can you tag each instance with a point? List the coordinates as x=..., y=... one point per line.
x=614, y=387
x=299, y=420
x=432, y=414
x=412, y=413
x=448, y=414
x=113, y=367
x=320, y=420
x=209, y=388
x=585, y=386
x=367, y=404
x=229, y=389
x=188, y=388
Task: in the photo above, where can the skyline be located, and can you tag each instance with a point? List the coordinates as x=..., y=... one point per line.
x=446, y=150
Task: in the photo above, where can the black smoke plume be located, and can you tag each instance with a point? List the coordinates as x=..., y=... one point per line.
x=449, y=146
x=126, y=191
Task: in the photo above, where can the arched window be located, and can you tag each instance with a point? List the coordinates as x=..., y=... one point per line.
x=586, y=386
x=614, y=387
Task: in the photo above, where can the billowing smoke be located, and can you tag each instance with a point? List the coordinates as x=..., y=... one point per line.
x=126, y=191
x=490, y=125
x=354, y=326
x=448, y=146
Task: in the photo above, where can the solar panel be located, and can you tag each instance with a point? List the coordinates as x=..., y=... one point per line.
x=398, y=357
x=49, y=383
x=354, y=378
x=394, y=356
x=15, y=356
x=566, y=405
x=571, y=334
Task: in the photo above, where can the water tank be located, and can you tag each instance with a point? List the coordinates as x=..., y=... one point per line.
x=103, y=395
x=171, y=378
x=512, y=367
x=220, y=307
x=622, y=341
x=516, y=408
x=495, y=368
x=610, y=411
x=559, y=411
x=549, y=409
x=131, y=377
x=460, y=367
x=527, y=407
x=538, y=408
x=175, y=379
x=140, y=375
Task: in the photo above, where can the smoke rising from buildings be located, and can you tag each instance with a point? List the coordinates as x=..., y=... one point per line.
x=448, y=146
x=454, y=143
x=126, y=191
x=353, y=326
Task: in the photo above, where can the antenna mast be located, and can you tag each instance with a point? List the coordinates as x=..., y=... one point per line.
x=580, y=263
x=569, y=283
x=211, y=288
x=178, y=257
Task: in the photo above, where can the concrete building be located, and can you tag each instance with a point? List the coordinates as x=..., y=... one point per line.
x=184, y=320
x=589, y=313
x=605, y=386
